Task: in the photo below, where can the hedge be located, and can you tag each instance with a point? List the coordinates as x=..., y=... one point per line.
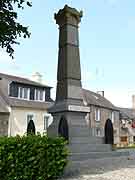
x=32, y=157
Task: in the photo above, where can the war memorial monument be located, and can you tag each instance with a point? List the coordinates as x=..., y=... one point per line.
x=69, y=110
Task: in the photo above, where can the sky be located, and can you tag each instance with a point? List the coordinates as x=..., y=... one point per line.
x=107, y=46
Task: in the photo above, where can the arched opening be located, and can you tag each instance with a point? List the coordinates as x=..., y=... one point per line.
x=31, y=127
x=63, y=128
x=109, y=137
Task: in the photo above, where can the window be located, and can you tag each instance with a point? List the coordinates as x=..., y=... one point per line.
x=46, y=122
x=112, y=116
x=39, y=95
x=30, y=117
x=24, y=93
x=97, y=114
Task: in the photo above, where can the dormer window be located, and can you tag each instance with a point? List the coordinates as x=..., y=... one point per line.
x=24, y=93
x=39, y=95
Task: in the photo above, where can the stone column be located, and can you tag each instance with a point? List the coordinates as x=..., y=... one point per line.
x=69, y=72
x=69, y=99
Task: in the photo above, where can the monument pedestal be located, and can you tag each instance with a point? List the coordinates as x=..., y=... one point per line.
x=75, y=117
x=69, y=111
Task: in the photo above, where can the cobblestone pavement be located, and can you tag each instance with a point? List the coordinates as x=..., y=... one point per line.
x=109, y=169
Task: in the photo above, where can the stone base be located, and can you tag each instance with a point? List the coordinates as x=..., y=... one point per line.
x=99, y=161
x=77, y=125
x=82, y=146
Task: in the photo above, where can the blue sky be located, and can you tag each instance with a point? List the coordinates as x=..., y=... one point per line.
x=107, y=46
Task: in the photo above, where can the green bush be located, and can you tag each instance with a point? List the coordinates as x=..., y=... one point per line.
x=32, y=157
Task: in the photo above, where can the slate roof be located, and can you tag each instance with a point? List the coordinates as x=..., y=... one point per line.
x=93, y=98
x=14, y=102
x=22, y=80
x=127, y=113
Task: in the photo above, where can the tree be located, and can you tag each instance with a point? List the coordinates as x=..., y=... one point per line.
x=10, y=28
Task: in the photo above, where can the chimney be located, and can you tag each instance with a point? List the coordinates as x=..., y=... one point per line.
x=133, y=101
x=37, y=77
x=102, y=93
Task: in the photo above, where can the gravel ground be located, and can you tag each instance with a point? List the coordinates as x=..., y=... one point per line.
x=120, y=168
x=121, y=174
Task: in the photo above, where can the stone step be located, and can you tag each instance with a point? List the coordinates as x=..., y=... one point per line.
x=78, y=148
x=87, y=140
x=91, y=165
x=95, y=155
x=79, y=131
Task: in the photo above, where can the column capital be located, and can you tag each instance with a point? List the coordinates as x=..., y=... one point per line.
x=68, y=15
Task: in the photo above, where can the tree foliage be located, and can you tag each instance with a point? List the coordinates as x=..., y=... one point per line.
x=10, y=28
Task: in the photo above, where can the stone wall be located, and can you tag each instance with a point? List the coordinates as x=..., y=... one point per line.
x=4, y=117
x=104, y=115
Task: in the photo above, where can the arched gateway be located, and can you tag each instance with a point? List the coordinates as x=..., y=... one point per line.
x=63, y=128
x=109, y=137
